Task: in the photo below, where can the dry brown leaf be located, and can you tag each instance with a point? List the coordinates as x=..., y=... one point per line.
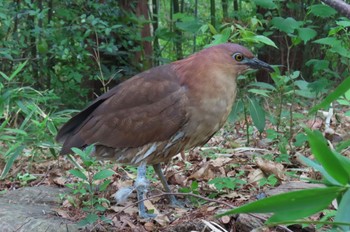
x=162, y=220
x=60, y=180
x=315, y=123
x=62, y=213
x=149, y=226
x=204, y=173
x=220, y=162
x=211, y=208
x=270, y=167
x=130, y=210
x=255, y=176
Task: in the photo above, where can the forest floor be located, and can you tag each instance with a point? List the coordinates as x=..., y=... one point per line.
x=226, y=173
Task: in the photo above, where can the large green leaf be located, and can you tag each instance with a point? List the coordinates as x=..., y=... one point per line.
x=292, y=205
x=340, y=90
x=265, y=40
x=319, y=168
x=258, y=115
x=326, y=157
x=268, y=4
x=12, y=153
x=287, y=25
x=343, y=213
x=78, y=173
x=306, y=34
x=322, y=11
x=103, y=174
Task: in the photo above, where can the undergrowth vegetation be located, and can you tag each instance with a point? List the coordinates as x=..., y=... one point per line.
x=58, y=55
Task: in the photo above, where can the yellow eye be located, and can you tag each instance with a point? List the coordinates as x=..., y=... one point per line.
x=238, y=56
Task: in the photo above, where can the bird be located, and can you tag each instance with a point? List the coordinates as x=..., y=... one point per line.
x=161, y=112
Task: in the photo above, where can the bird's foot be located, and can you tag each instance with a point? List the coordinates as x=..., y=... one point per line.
x=175, y=202
x=146, y=215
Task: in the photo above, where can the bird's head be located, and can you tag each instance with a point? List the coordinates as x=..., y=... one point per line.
x=236, y=57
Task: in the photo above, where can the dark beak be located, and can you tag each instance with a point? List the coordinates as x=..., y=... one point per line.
x=255, y=63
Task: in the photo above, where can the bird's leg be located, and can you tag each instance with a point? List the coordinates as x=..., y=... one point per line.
x=172, y=198
x=141, y=185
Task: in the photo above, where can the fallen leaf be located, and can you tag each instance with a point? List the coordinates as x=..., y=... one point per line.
x=220, y=162
x=270, y=167
x=255, y=176
x=204, y=173
x=130, y=210
x=62, y=213
x=149, y=226
x=162, y=220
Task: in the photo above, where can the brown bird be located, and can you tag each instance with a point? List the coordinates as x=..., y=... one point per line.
x=158, y=113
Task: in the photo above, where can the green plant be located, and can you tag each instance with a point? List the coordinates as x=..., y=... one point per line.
x=25, y=178
x=288, y=207
x=270, y=180
x=194, y=188
x=25, y=112
x=91, y=178
x=228, y=183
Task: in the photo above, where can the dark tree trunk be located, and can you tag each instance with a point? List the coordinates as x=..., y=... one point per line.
x=156, y=47
x=196, y=16
x=212, y=13
x=178, y=38
x=224, y=4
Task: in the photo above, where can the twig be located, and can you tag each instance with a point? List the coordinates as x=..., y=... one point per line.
x=200, y=197
x=178, y=194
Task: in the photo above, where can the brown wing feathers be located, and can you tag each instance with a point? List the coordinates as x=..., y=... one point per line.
x=147, y=108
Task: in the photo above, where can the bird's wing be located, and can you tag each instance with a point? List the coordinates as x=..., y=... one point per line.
x=147, y=108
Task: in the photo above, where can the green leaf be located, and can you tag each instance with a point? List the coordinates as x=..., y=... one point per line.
x=104, y=185
x=78, y=173
x=12, y=153
x=326, y=157
x=287, y=25
x=236, y=110
x=340, y=90
x=89, y=219
x=300, y=139
x=343, y=23
x=343, y=213
x=306, y=34
x=291, y=205
x=268, y=4
x=322, y=11
x=265, y=40
x=319, y=168
x=103, y=174
x=263, y=85
x=262, y=92
x=331, y=41
x=258, y=115
x=20, y=67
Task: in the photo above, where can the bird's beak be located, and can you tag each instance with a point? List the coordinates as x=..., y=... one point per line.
x=255, y=63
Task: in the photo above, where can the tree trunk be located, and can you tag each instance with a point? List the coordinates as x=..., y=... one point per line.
x=178, y=38
x=156, y=47
x=224, y=4
x=212, y=13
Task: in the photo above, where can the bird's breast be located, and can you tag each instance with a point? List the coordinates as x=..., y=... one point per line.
x=210, y=105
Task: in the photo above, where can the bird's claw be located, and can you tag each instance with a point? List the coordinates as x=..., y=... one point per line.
x=147, y=215
x=176, y=203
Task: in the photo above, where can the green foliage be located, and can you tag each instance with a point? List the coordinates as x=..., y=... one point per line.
x=227, y=183
x=25, y=112
x=91, y=178
x=270, y=180
x=288, y=207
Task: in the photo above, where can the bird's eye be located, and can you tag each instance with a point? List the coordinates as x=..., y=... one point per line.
x=238, y=57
